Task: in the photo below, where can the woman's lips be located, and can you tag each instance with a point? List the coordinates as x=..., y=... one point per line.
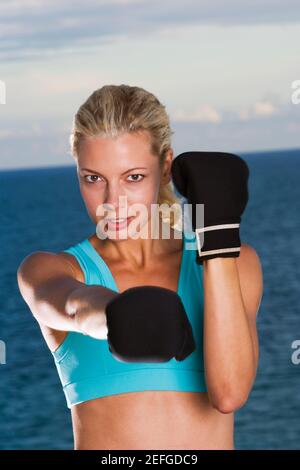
x=117, y=224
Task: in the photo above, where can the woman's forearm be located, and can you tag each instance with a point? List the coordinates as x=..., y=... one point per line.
x=63, y=306
x=228, y=348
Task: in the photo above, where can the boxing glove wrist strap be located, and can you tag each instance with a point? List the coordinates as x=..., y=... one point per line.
x=209, y=240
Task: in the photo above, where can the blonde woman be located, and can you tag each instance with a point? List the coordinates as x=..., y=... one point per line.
x=155, y=343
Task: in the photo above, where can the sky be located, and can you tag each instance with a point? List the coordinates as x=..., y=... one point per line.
x=223, y=69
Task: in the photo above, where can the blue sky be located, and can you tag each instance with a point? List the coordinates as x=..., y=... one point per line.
x=223, y=69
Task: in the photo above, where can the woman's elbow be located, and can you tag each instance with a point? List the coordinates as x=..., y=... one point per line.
x=229, y=403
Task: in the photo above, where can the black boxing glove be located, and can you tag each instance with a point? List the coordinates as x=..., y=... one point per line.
x=219, y=181
x=148, y=324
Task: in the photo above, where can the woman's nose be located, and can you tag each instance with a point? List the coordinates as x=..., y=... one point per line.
x=115, y=197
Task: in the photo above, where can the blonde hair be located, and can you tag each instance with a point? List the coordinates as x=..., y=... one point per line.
x=115, y=109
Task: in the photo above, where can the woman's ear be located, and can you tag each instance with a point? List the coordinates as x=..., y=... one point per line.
x=166, y=173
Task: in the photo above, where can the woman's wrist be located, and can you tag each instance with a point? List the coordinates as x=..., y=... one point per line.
x=86, y=308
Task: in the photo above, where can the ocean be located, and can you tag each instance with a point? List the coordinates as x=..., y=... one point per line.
x=42, y=210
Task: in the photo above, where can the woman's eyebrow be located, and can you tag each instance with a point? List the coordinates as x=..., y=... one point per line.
x=127, y=171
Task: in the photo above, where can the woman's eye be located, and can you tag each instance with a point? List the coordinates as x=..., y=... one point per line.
x=91, y=176
x=135, y=180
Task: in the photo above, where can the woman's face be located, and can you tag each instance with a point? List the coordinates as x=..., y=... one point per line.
x=115, y=174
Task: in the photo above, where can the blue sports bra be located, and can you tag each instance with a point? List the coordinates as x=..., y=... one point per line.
x=88, y=370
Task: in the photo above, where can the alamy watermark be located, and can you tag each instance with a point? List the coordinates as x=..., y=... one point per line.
x=295, y=357
x=134, y=221
x=2, y=352
x=295, y=97
x=2, y=92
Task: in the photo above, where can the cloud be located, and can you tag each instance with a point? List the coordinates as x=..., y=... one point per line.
x=243, y=114
x=205, y=113
x=29, y=29
x=262, y=108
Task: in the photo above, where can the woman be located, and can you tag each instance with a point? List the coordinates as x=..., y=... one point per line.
x=121, y=142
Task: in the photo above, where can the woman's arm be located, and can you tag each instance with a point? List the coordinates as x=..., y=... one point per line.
x=58, y=300
x=232, y=294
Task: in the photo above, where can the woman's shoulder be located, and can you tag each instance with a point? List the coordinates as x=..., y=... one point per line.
x=74, y=264
x=37, y=259
x=69, y=256
x=248, y=254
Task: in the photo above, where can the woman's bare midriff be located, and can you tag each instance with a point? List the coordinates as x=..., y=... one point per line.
x=151, y=420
